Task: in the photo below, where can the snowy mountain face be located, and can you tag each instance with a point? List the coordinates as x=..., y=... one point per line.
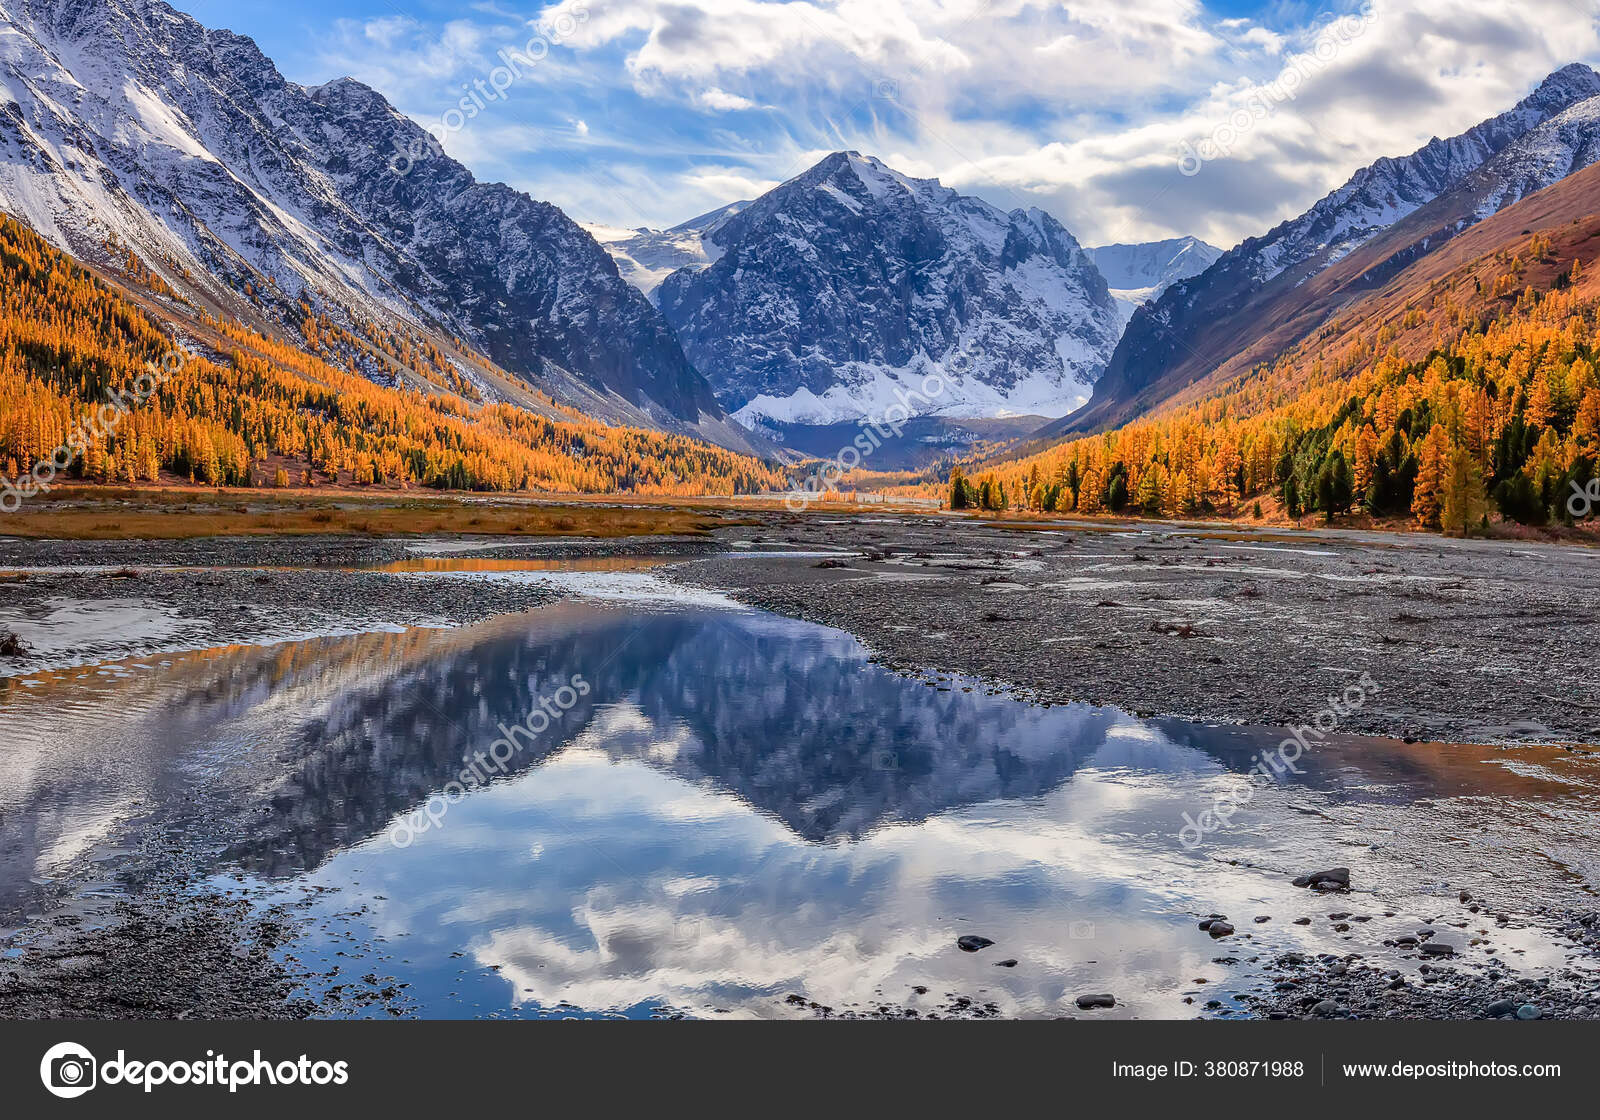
x=852, y=288
x=1567, y=142
x=127, y=120
x=646, y=257
x=1544, y=155
x=1139, y=273
x=1198, y=323
x=1381, y=194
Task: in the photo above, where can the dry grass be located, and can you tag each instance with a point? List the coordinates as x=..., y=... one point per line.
x=96, y=513
x=11, y=645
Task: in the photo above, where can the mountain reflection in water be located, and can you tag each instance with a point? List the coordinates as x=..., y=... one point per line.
x=740, y=806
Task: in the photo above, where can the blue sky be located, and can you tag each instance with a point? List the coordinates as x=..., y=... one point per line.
x=1127, y=119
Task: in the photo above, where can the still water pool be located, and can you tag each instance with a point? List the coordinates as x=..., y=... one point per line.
x=717, y=809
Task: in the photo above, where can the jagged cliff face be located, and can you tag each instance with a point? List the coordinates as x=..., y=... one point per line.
x=846, y=287
x=126, y=119
x=1198, y=324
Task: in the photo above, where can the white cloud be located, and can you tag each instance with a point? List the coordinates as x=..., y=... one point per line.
x=1104, y=44
x=1269, y=41
x=721, y=101
x=1082, y=108
x=1422, y=68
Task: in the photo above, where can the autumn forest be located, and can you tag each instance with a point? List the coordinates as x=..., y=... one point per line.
x=1477, y=397
x=259, y=411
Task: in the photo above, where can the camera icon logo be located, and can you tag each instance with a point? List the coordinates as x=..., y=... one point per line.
x=68, y=1070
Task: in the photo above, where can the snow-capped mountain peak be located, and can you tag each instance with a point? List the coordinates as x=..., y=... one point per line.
x=1199, y=324
x=646, y=257
x=845, y=289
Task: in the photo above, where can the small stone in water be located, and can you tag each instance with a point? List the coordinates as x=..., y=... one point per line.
x=1335, y=878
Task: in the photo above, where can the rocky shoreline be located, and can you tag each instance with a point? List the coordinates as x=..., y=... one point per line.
x=1469, y=641
x=98, y=601
x=1424, y=975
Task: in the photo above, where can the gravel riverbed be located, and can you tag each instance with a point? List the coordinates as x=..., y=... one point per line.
x=1480, y=642
x=1468, y=641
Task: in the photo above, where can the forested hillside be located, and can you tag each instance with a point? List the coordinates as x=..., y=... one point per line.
x=241, y=409
x=1469, y=388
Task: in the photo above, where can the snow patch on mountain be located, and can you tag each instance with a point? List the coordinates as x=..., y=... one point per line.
x=1567, y=142
x=923, y=387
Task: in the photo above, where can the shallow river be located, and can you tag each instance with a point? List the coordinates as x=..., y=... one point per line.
x=716, y=808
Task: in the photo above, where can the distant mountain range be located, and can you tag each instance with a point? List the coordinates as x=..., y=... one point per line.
x=646, y=257
x=1259, y=297
x=127, y=126
x=1139, y=273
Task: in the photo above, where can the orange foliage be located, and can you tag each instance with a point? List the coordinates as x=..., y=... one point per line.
x=69, y=341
